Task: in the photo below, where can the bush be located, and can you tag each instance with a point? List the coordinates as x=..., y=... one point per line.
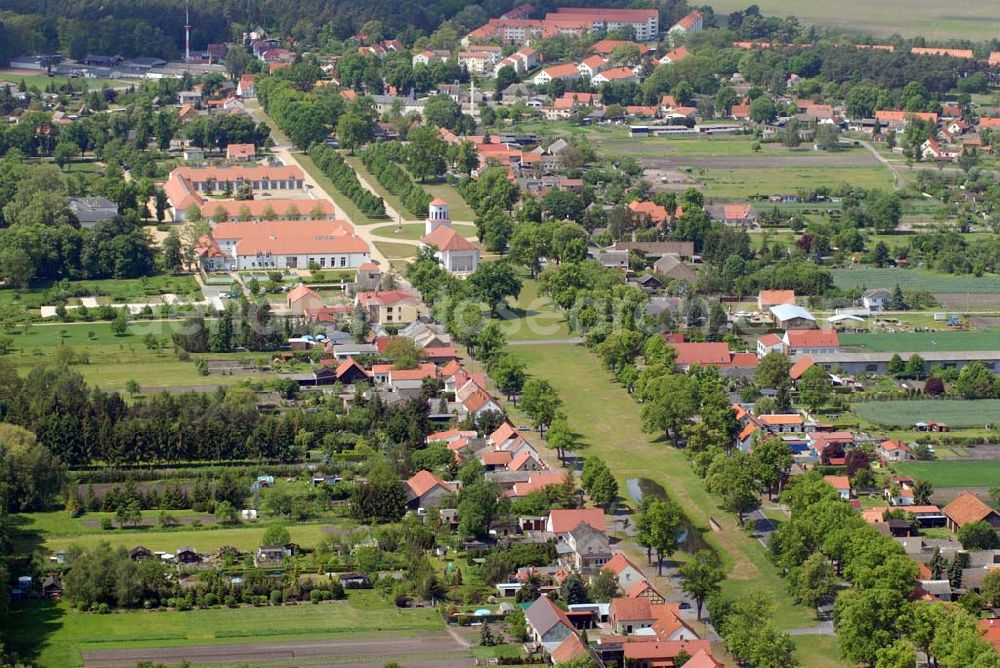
x=333, y=165
x=315, y=596
x=379, y=159
x=107, y=524
x=276, y=597
x=337, y=591
x=210, y=600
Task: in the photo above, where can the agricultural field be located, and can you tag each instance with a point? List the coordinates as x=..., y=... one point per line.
x=960, y=20
x=56, y=636
x=913, y=279
x=770, y=178
x=954, y=413
x=953, y=474
x=923, y=341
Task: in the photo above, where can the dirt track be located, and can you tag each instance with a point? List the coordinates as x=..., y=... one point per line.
x=817, y=159
x=350, y=652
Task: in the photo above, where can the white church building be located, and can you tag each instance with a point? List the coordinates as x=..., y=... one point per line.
x=454, y=252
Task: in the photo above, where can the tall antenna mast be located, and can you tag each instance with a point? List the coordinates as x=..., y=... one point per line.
x=187, y=31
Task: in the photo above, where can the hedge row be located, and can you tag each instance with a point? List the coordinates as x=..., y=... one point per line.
x=346, y=181
x=378, y=158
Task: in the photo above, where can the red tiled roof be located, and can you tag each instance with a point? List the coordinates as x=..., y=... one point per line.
x=495, y=457
x=289, y=238
x=689, y=20
x=703, y=659
x=630, y=609
x=777, y=419
x=503, y=433
x=803, y=364
x=705, y=354
x=967, y=509
x=898, y=116
x=838, y=482
x=447, y=239
x=664, y=651
x=386, y=297
x=567, y=520
x=346, y=365
x=637, y=590
x=620, y=562
x=521, y=459
x=257, y=208
x=537, y=482
x=656, y=213
x=569, y=649
x=775, y=297
x=769, y=340
x=937, y=51
x=891, y=445
x=813, y=338
x=301, y=292
x=424, y=481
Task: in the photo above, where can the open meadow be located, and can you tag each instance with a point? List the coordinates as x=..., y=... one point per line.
x=960, y=20
x=58, y=636
x=954, y=413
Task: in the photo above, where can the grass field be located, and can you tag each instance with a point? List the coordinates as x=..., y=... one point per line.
x=954, y=413
x=923, y=341
x=534, y=317
x=396, y=251
x=962, y=19
x=742, y=183
x=56, y=636
x=953, y=474
x=912, y=279
x=457, y=208
x=607, y=420
x=413, y=231
x=390, y=200
x=819, y=652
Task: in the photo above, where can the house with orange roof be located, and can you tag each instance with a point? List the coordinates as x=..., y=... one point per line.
x=426, y=490
x=891, y=450
x=740, y=214
x=691, y=23
x=350, y=372
x=454, y=252
x=769, y=343
x=615, y=75
x=570, y=649
x=535, y=483
x=626, y=570
x=479, y=403
x=388, y=307
x=526, y=460
x=674, y=55
x=656, y=654
x=657, y=214
x=593, y=65
x=302, y=299
x=701, y=354
x=282, y=245
x=782, y=423
x=897, y=119
x=450, y=435
x=565, y=520
x=494, y=460
x=768, y=298
x=645, y=589
x=630, y=615
x=967, y=509
x=841, y=483
x=565, y=72
x=800, y=342
x=703, y=659
x=991, y=627
x=241, y=152
x=801, y=365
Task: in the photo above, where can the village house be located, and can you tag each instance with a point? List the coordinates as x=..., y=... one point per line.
x=811, y=342
x=876, y=299
x=390, y=307
x=548, y=624
x=585, y=548
x=768, y=298
x=891, y=450
x=302, y=300
x=791, y=316
x=565, y=72
x=841, y=483
x=92, y=210
x=425, y=490
x=241, y=152
x=691, y=23
x=625, y=570
x=967, y=509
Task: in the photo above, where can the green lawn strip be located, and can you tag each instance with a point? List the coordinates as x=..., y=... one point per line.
x=390, y=199
x=42, y=81
x=342, y=201
x=341, y=660
x=414, y=231
x=607, y=420
x=913, y=279
x=923, y=341
x=533, y=317
x=953, y=473
x=117, y=291
x=60, y=635
x=816, y=651
x=742, y=183
x=457, y=208
x=953, y=412
x=396, y=251
x=245, y=538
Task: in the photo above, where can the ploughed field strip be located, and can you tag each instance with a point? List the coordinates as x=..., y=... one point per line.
x=430, y=650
